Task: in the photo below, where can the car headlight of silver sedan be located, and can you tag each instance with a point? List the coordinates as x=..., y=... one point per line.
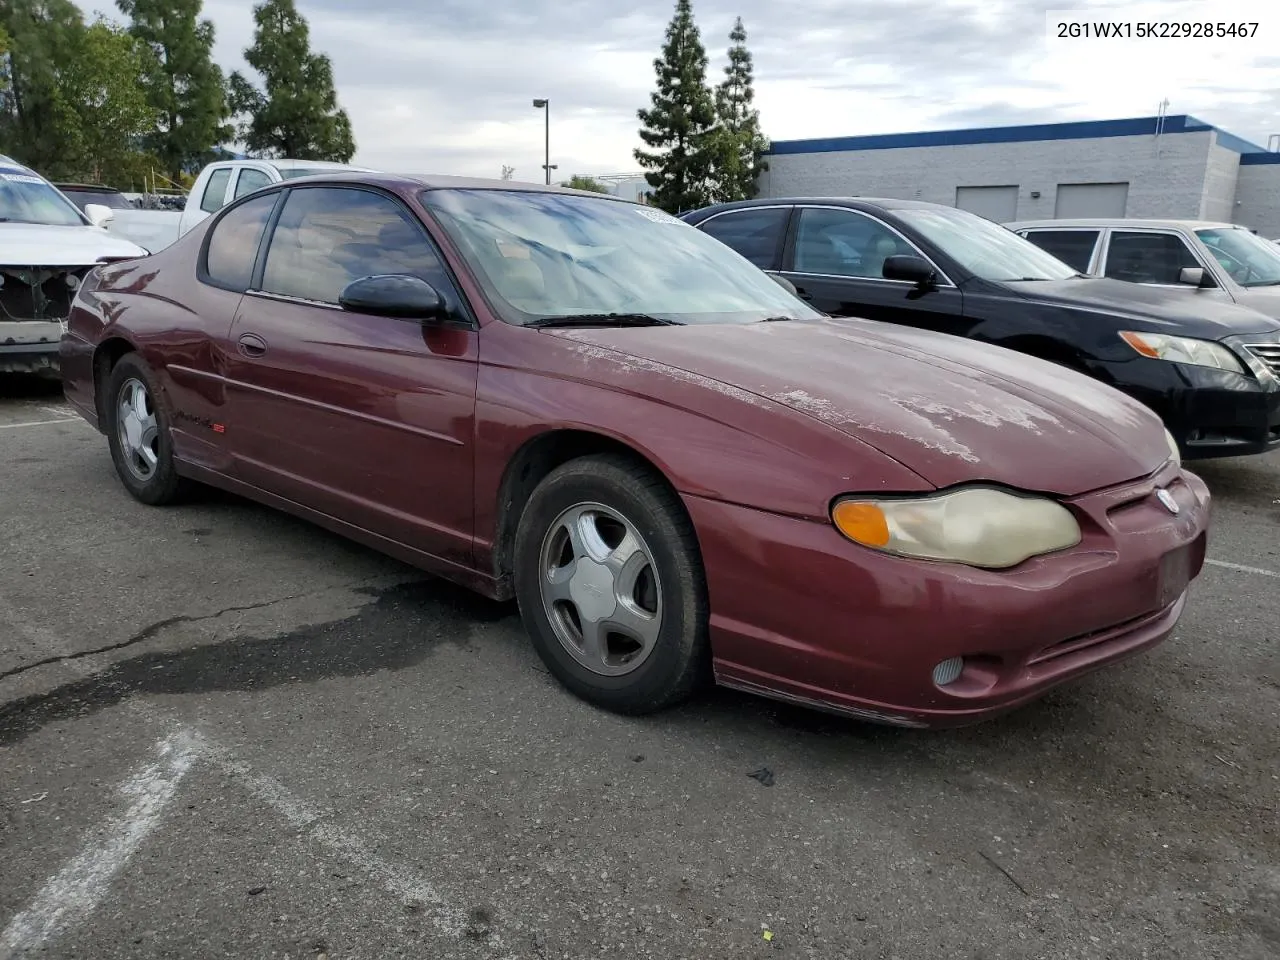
x=977, y=526
x=1200, y=353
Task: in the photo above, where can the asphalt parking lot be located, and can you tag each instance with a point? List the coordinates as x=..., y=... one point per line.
x=226, y=733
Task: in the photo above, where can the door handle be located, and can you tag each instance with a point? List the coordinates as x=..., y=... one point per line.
x=251, y=345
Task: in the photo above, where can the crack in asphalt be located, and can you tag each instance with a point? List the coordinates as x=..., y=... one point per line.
x=396, y=627
x=150, y=631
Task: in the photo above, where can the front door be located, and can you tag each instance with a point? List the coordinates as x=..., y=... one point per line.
x=836, y=262
x=365, y=418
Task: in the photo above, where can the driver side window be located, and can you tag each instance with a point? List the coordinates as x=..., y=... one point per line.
x=844, y=243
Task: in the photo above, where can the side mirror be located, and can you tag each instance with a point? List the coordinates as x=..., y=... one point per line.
x=99, y=214
x=785, y=284
x=915, y=270
x=393, y=295
x=1195, y=277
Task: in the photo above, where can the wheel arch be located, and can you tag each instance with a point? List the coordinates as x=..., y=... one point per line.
x=1048, y=348
x=105, y=356
x=529, y=465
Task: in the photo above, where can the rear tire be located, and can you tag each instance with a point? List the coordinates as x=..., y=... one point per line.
x=611, y=585
x=137, y=427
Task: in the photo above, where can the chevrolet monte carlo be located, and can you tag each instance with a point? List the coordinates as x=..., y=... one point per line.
x=678, y=469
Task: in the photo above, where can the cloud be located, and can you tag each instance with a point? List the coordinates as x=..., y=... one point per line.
x=446, y=87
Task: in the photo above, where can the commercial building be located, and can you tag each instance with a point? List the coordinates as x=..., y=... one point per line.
x=1155, y=167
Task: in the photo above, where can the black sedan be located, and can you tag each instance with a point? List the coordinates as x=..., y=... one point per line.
x=1210, y=369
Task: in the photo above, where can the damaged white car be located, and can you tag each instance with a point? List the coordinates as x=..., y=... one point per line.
x=47, y=246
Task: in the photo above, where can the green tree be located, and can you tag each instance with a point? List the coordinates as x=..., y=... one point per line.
x=582, y=182
x=182, y=83
x=5, y=44
x=296, y=114
x=101, y=106
x=677, y=129
x=43, y=35
x=739, y=146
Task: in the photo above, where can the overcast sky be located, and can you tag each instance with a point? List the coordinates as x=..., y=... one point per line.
x=445, y=86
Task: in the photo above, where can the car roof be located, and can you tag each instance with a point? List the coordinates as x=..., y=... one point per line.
x=853, y=203
x=1127, y=222
x=285, y=163
x=419, y=181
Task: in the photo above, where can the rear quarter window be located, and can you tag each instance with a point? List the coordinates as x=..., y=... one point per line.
x=233, y=243
x=756, y=234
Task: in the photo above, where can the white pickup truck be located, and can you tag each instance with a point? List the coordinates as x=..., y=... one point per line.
x=218, y=184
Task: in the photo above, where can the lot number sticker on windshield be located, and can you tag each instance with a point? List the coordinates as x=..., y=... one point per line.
x=20, y=178
x=657, y=216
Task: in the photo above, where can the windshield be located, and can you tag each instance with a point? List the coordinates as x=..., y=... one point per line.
x=984, y=248
x=543, y=255
x=108, y=198
x=25, y=198
x=1251, y=261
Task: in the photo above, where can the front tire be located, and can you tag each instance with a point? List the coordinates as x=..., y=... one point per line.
x=611, y=586
x=138, y=432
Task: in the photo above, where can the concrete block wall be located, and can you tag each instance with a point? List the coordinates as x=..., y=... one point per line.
x=1166, y=175
x=1218, y=201
x=1258, y=193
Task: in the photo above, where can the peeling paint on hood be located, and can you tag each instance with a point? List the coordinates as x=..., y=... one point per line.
x=950, y=409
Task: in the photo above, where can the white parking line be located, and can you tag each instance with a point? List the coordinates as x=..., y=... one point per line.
x=1241, y=568
x=75, y=891
x=309, y=822
x=39, y=423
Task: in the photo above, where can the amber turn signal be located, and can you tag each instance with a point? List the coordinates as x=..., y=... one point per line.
x=863, y=523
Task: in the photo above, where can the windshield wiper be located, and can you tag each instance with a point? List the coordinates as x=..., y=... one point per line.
x=603, y=320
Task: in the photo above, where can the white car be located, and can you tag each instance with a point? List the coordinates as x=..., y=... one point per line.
x=218, y=184
x=47, y=246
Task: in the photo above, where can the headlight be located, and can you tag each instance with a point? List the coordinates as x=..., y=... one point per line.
x=1174, y=453
x=977, y=526
x=1202, y=353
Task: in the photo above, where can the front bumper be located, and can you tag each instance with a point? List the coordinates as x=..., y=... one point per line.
x=29, y=346
x=801, y=614
x=1212, y=413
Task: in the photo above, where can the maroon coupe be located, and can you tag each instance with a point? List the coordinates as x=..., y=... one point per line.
x=677, y=468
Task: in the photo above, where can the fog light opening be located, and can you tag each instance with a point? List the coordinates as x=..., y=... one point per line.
x=948, y=671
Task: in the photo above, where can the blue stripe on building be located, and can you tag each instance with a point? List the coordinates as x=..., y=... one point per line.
x=1077, y=130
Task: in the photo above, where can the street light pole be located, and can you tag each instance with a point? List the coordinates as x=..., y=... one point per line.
x=545, y=106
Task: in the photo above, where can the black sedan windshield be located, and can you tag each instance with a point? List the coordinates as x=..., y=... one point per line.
x=984, y=248
x=543, y=255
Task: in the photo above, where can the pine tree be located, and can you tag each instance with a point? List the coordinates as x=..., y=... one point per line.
x=182, y=83
x=296, y=115
x=739, y=150
x=677, y=128
x=43, y=35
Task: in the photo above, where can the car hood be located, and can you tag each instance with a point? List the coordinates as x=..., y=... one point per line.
x=952, y=410
x=42, y=245
x=1265, y=300
x=1182, y=310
